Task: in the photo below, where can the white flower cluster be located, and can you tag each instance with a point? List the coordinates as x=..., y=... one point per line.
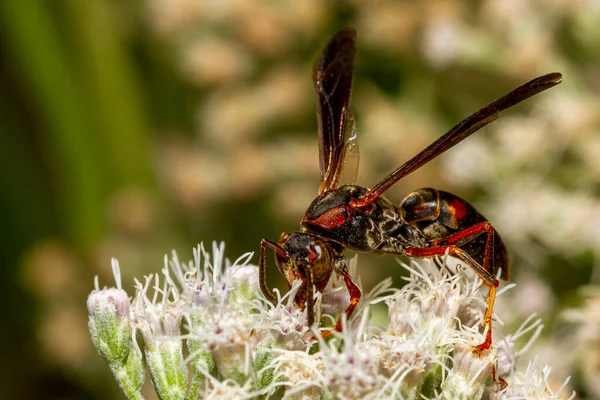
x=238, y=345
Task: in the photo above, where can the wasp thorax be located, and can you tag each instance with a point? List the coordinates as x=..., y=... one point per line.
x=333, y=199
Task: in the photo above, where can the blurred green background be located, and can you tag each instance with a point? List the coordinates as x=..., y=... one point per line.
x=130, y=128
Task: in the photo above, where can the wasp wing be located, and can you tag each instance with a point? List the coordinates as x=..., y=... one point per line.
x=348, y=170
x=332, y=76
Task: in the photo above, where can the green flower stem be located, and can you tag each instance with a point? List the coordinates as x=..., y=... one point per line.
x=130, y=376
x=200, y=364
x=167, y=369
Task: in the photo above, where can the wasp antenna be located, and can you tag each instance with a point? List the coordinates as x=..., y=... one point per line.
x=461, y=131
x=262, y=267
x=527, y=90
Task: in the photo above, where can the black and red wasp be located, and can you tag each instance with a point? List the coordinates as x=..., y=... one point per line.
x=427, y=223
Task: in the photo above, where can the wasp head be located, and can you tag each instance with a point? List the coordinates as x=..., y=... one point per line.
x=307, y=258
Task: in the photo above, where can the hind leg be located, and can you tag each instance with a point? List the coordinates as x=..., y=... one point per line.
x=488, y=279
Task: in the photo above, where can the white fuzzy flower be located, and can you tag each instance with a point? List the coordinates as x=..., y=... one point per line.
x=242, y=346
x=155, y=316
x=508, y=355
x=532, y=384
x=432, y=305
x=158, y=317
x=352, y=369
x=113, y=335
x=469, y=373
x=301, y=373
x=284, y=321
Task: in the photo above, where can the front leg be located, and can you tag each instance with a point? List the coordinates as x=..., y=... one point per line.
x=353, y=290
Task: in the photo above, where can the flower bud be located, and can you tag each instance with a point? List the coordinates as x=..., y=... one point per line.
x=108, y=323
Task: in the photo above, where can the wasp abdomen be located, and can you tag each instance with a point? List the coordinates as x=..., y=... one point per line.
x=429, y=204
x=438, y=214
x=421, y=205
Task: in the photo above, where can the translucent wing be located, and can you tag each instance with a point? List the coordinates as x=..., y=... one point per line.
x=332, y=76
x=350, y=154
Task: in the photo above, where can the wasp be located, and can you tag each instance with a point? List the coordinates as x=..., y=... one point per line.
x=427, y=223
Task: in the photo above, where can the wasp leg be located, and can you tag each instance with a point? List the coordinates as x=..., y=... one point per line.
x=466, y=235
x=354, y=292
x=262, y=268
x=310, y=294
x=488, y=279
